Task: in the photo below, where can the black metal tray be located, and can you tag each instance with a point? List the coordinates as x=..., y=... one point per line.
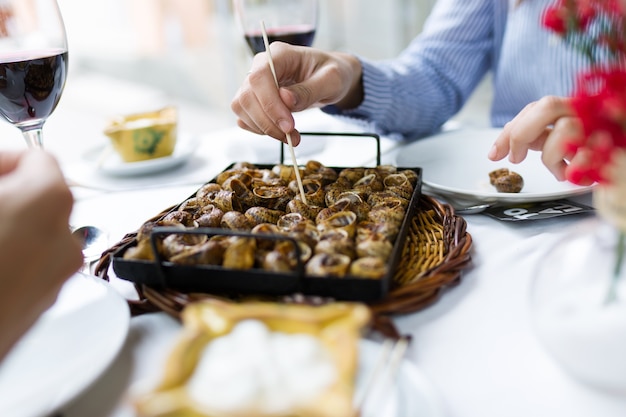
x=219, y=280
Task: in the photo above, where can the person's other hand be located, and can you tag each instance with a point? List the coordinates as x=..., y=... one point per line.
x=37, y=250
x=307, y=77
x=544, y=125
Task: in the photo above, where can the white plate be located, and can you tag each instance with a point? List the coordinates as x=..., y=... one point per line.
x=113, y=165
x=411, y=395
x=456, y=164
x=66, y=350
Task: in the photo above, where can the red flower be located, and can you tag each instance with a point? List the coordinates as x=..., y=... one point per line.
x=555, y=19
x=598, y=29
x=600, y=104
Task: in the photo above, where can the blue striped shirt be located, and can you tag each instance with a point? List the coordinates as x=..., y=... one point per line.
x=415, y=93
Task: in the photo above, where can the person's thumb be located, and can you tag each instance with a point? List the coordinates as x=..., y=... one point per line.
x=297, y=97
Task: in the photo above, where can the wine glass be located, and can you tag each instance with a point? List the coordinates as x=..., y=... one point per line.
x=291, y=21
x=33, y=64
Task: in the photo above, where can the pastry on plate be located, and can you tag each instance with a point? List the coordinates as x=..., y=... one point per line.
x=260, y=359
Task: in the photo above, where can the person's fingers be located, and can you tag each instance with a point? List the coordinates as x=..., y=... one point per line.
x=255, y=114
x=9, y=161
x=555, y=155
x=529, y=131
x=307, y=78
x=579, y=162
x=502, y=144
x=245, y=120
x=295, y=135
x=324, y=86
x=530, y=128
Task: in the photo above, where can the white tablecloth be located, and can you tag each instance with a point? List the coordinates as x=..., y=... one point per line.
x=475, y=344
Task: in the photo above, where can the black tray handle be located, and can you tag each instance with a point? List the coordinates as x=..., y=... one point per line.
x=348, y=134
x=213, y=231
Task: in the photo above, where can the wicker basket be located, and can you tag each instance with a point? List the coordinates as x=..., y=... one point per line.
x=436, y=251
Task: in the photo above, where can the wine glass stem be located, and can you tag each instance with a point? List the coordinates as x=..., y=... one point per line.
x=34, y=138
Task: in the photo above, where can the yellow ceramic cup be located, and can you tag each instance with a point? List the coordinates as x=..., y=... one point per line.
x=143, y=136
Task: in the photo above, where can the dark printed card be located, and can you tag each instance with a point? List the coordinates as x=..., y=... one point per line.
x=537, y=211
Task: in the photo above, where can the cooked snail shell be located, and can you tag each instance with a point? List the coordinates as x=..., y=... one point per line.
x=306, y=210
x=376, y=245
x=339, y=206
x=382, y=196
x=366, y=229
x=276, y=262
x=275, y=197
x=328, y=264
x=286, y=172
x=227, y=201
x=351, y=174
x=143, y=250
x=332, y=195
x=316, y=170
x=243, y=177
x=207, y=253
x=178, y=217
x=369, y=267
x=344, y=220
x=239, y=254
x=265, y=229
x=193, y=204
x=235, y=220
x=411, y=176
x=400, y=185
x=386, y=170
x=289, y=221
x=336, y=241
x=355, y=204
x=145, y=230
x=267, y=182
x=389, y=211
x=209, y=216
x=306, y=232
x=313, y=191
x=208, y=190
x=283, y=257
x=369, y=183
x=175, y=244
x=312, y=167
x=242, y=194
x=258, y=215
x=243, y=171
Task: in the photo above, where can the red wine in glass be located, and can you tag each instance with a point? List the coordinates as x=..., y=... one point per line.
x=302, y=35
x=31, y=86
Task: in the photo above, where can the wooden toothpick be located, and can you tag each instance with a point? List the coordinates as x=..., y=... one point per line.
x=293, y=154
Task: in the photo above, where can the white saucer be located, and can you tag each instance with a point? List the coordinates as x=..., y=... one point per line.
x=66, y=350
x=111, y=164
x=456, y=164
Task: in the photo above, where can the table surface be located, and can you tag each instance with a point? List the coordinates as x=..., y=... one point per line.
x=476, y=344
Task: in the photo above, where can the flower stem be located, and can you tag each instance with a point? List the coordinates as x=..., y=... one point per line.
x=621, y=245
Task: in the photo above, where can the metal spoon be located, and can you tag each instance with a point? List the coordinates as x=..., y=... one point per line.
x=463, y=206
x=94, y=241
x=475, y=209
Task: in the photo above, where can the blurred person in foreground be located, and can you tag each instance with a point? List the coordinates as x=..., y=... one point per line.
x=37, y=250
x=414, y=94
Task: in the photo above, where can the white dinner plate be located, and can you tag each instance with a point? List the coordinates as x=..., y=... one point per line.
x=109, y=162
x=456, y=164
x=66, y=350
x=411, y=395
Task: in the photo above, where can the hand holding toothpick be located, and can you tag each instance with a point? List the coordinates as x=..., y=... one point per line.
x=293, y=155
